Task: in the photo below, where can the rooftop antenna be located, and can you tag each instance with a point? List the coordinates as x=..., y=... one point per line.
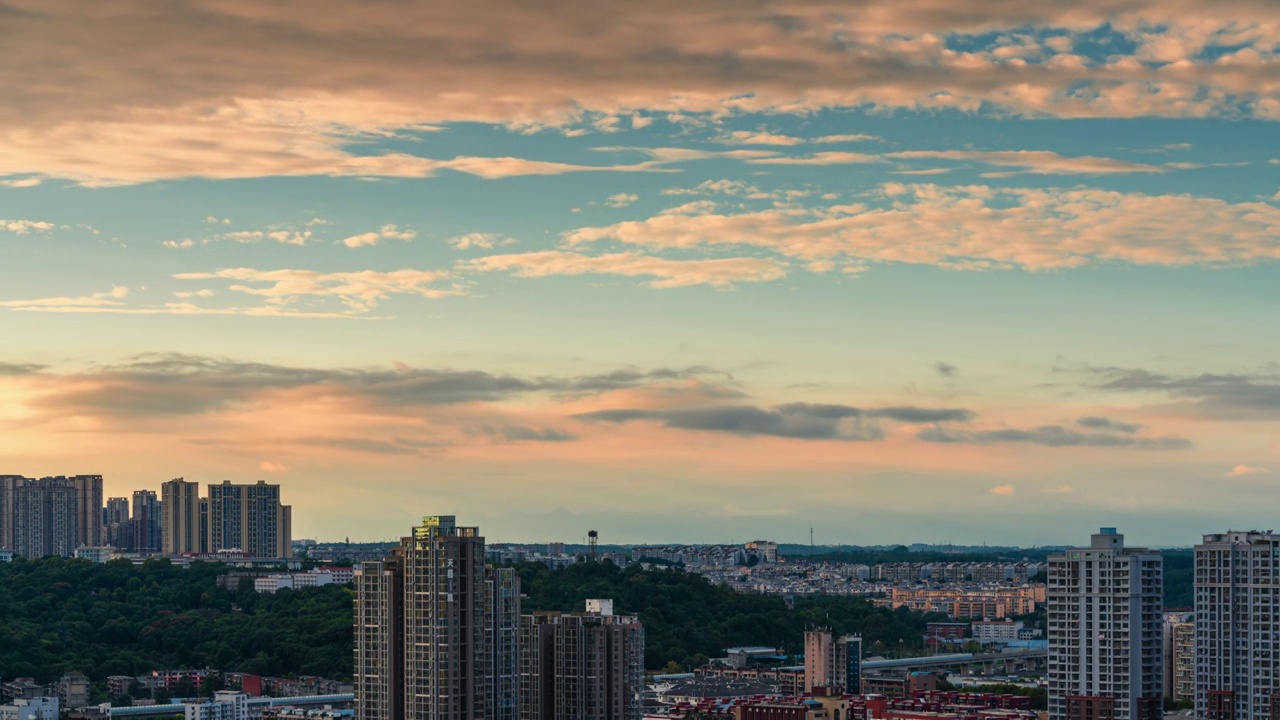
x=592, y=536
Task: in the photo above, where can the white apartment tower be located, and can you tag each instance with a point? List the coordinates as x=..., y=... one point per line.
x=1105, y=607
x=1237, y=626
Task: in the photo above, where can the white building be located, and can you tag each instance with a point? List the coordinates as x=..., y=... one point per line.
x=272, y=583
x=6, y=555
x=342, y=575
x=314, y=578
x=225, y=705
x=600, y=607
x=1237, y=635
x=996, y=631
x=1105, y=606
x=41, y=708
x=98, y=555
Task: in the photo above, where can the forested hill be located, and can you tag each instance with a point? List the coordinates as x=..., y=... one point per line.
x=121, y=619
x=687, y=619
x=117, y=619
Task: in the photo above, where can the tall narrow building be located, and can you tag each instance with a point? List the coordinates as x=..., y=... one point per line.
x=379, y=639
x=115, y=523
x=249, y=519
x=8, y=484
x=435, y=630
x=145, y=522
x=831, y=662
x=581, y=666
x=180, y=517
x=1237, y=619
x=88, y=509
x=1105, y=606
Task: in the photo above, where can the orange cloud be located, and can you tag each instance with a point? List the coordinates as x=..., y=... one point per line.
x=284, y=88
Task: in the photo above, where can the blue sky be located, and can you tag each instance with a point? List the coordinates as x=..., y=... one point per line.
x=974, y=272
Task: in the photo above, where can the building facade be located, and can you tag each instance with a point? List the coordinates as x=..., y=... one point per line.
x=180, y=531
x=145, y=521
x=39, y=708
x=435, y=630
x=1237, y=638
x=587, y=665
x=1105, y=606
x=115, y=523
x=88, y=509
x=45, y=517
x=225, y=705
x=248, y=519
x=1179, y=648
x=833, y=663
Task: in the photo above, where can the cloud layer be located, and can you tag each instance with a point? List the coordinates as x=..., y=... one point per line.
x=286, y=89
x=976, y=227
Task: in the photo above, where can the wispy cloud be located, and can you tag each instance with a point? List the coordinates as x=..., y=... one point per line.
x=374, y=237
x=980, y=228
x=483, y=241
x=1051, y=436
x=794, y=420
x=1038, y=162
x=619, y=200
x=719, y=272
x=23, y=227
x=1246, y=470
x=359, y=291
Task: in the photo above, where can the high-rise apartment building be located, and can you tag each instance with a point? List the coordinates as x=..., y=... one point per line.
x=1237, y=619
x=204, y=525
x=249, y=519
x=145, y=522
x=1179, y=656
x=587, y=665
x=45, y=517
x=180, y=517
x=435, y=630
x=1105, y=607
x=88, y=509
x=379, y=639
x=831, y=662
x=116, y=525
x=8, y=484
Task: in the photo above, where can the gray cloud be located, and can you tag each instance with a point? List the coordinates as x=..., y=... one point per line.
x=1225, y=396
x=522, y=433
x=793, y=420
x=13, y=369
x=945, y=369
x=392, y=446
x=1101, y=423
x=172, y=384
x=1051, y=436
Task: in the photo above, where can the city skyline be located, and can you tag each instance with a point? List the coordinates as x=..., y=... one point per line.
x=668, y=272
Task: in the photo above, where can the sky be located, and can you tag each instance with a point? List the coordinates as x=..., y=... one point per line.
x=944, y=271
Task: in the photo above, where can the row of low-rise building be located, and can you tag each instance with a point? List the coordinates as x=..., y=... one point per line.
x=66, y=516
x=439, y=633
x=954, y=572
x=71, y=690
x=693, y=557
x=798, y=577
x=316, y=577
x=968, y=603
x=825, y=705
